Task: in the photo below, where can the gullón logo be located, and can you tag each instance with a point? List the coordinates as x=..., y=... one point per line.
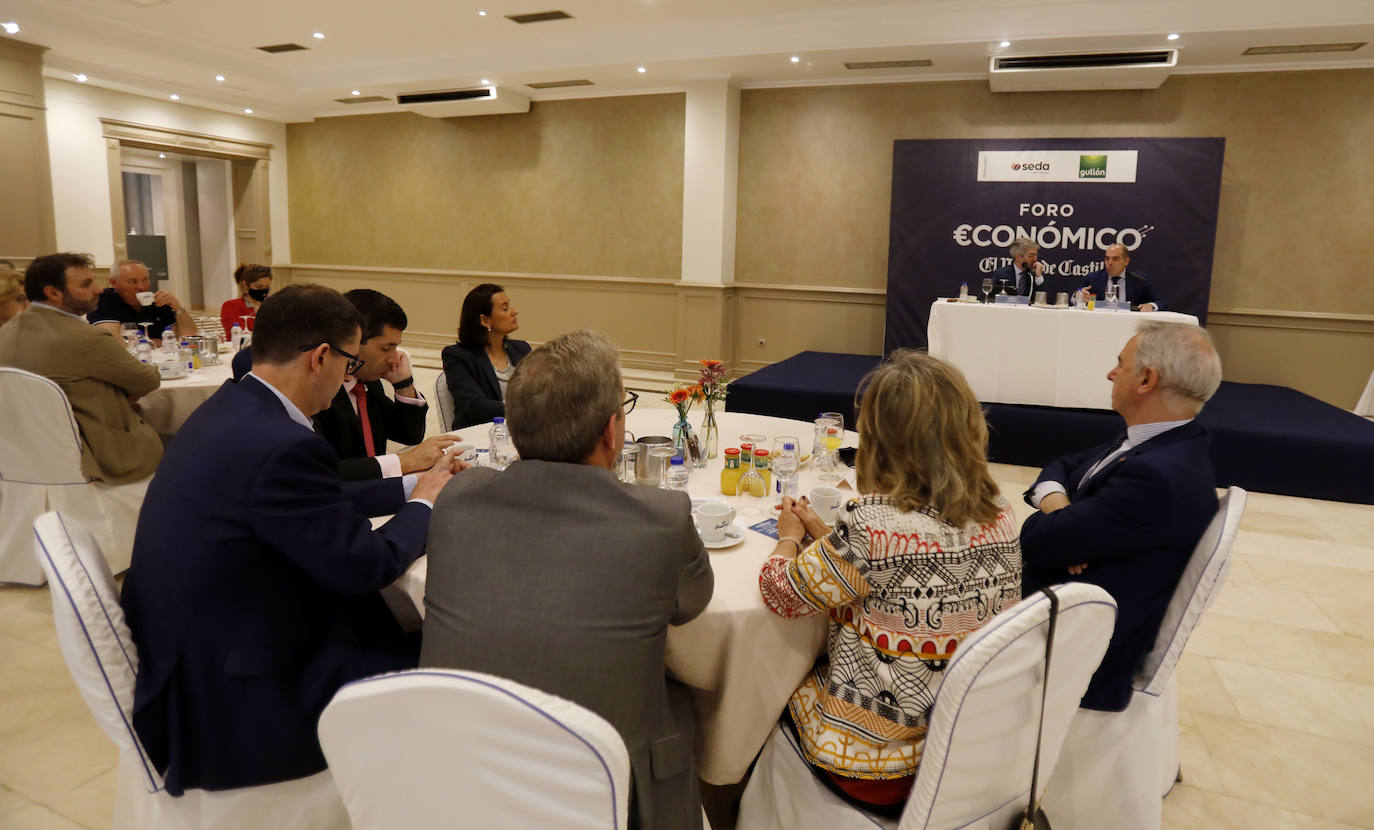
x=1036, y=165
x=1092, y=167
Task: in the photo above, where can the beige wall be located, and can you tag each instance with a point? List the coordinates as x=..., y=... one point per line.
x=26, y=218
x=588, y=187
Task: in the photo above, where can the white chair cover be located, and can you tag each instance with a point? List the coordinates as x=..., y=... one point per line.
x=445, y=400
x=101, y=656
x=1116, y=767
x=435, y=748
x=976, y=768
x=40, y=470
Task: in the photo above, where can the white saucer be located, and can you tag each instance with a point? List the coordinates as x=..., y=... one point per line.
x=734, y=534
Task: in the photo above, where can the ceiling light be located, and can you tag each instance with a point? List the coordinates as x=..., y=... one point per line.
x=1004, y=44
x=162, y=155
x=1173, y=36
x=357, y=92
x=796, y=59
x=10, y=28
x=247, y=110
x=80, y=77
x=485, y=82
x=318, y=36
x=481, y=13
x=176, y=97
x=640, y=69
x=219, y=78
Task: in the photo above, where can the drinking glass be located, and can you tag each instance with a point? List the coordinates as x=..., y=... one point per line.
x=129, y=331
x=987, y=289
x=755, y=442
x=1004, y=287
x=752, y=493
x=1111, y=292
x=626, y=471
x=662, y=452
x=145, y=331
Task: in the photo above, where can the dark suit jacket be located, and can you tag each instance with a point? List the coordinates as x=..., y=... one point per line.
x=1025, y=287
x=472, y=382
x=1138, y=289
x=340, y=426
x=242, y=363
x=237, y=594
x=1135, y=523
x=560, y=577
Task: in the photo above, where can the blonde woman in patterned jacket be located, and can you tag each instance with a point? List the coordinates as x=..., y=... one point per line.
x=925, y=557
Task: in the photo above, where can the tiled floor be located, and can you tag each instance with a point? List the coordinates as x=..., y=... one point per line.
x=1276, y=687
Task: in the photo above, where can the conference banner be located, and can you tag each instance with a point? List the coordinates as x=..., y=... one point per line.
x=957, y=205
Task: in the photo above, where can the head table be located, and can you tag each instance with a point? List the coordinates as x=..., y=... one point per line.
x=740, y=660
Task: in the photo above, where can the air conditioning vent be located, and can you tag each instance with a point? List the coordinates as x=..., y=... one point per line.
x=1302, y=49
x=1091, y=61
x=480, y=94
x=539, y=17
x=284, y=47
x=1081, y=71
x=557, y=84
x=886, y=64
x=361, y=99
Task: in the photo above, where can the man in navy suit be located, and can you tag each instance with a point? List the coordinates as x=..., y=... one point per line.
x=1126, y=515
x=1139, y=292
x=1025, y=275
x=250, y=557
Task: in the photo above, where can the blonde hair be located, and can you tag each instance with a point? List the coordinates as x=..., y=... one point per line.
x=11, y=285
x=923, y=439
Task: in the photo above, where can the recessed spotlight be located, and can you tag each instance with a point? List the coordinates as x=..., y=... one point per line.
x=219, y=78
x=80, y=77
x=485, y=82
x=247, y=110
x=1004, y=44
x=1173, y=36
x=162, y=155
x=318, y=36
x=175, y=97
x=356, y=92
x=796, y=59
x=641, y=70
x=10, y=28
x=481, y=12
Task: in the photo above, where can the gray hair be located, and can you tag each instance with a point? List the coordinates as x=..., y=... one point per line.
x=119, y=266
x=1185, y=357
x=1022, y=245
x=561, y=396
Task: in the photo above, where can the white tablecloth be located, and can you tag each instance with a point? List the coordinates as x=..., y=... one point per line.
x=1044, y=356
x=741, y=660
x=167, y=407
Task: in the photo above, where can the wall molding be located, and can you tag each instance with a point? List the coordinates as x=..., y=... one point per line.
x=1299, y=320
x=165, y=138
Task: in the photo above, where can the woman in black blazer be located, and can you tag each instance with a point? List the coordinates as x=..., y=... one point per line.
x=478, y=365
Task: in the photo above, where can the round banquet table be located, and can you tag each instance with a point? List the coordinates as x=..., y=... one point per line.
x=167, y=407
x=740, y=660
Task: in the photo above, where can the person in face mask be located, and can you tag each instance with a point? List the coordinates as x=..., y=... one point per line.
x=255, y=283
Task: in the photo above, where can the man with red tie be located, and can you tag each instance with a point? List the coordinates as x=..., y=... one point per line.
x=362, y=417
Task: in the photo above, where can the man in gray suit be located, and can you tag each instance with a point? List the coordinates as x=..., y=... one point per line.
x=554, y=574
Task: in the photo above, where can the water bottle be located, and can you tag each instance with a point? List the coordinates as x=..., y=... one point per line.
x=499, y=441
x=169, y=343
x=963, y=291
x=786, y=479
x=677, y=475
x=187, y=355
x=144, y=350
x=235, y=335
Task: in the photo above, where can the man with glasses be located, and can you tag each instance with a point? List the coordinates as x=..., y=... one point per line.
x=556, y=575
x=252, y=561
x=361, y=418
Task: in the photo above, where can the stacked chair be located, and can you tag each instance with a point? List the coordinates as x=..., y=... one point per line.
x=40, y=470
x=979, y=751
x=1116, y=767
x=103, y=661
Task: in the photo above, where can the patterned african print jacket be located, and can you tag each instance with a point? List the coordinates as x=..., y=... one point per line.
x=902, y=591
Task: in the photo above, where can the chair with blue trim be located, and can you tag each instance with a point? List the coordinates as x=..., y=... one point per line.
x=103, y=661
x=40, y=470
x=439, y=748
x=976, y=765
x=1116, y=767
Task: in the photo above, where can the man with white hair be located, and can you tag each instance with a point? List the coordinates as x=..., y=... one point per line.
x=1025, y=274
x=1126, y=515
x=120, y=303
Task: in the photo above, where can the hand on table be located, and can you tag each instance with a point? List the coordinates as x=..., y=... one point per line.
x=1149, y=307
x=816, y=528
x=426, y=454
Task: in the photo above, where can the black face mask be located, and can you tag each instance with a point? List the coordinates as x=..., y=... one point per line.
x=258, y=294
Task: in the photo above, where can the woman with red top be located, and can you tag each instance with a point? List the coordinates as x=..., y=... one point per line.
x=924, y=557
x=255, y=282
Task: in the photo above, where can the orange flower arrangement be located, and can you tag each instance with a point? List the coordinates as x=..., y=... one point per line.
x=683, y=397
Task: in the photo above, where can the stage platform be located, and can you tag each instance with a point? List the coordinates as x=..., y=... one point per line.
x=1267, y=439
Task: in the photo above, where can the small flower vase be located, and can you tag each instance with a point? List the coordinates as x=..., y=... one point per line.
x=710, y=433
x=686, y=444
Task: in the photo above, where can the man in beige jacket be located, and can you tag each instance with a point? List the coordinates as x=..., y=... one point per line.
x=53, y=339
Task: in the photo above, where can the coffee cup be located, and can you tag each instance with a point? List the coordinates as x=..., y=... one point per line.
x=145, y=297
x=712, y=520
x=463, y=452
x=826, y=501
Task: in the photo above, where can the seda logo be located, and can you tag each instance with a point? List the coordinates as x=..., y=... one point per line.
x=1034, y=166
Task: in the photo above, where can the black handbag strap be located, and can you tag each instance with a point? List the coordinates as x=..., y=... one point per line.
x=1031, y=807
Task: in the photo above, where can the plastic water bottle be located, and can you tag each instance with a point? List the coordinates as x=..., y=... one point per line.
x=677, y=475
x=235, y=335
x=145, y=350
x=169, y=343
x=786, y=479
x=963, y=291
x=499, y=441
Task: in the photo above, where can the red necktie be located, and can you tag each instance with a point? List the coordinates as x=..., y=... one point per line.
x=360, y=392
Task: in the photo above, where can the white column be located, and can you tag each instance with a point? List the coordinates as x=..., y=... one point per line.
x=710, y=173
